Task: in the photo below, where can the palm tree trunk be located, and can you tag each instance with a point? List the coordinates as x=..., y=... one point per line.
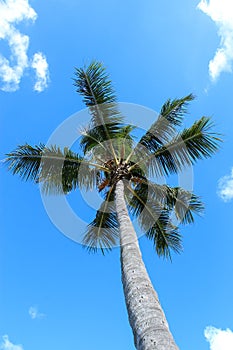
x=146, y=317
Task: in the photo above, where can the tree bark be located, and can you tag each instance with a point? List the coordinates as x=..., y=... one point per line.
x=146, y=317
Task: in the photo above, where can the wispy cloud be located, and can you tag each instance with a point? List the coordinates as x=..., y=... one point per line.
x=225, y=187
x=221, y=12
x=12, y=69
x=219, y=339
x=40, y=65
x=34, y=313
x=7, y=345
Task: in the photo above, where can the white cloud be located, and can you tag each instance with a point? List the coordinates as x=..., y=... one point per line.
x=225, y=187
x=7, y=345
x=221, y=12
x=40, y=65
x=219, y=339
x=34, y=313
x=12, y=69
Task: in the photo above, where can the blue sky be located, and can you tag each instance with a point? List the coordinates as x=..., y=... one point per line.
x=53, y=293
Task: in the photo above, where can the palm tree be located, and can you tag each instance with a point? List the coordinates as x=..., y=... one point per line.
x=125, y=172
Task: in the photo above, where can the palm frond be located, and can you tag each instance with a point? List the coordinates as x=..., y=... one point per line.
x=165, y=236
x=98, y=95
x=58, y=171
x=196, y=142
x=102, y=232
x=183, y=203
x=94, y=85
x=174, y=110
x=171, y=116
x=25, y=161
x=154, y=204
x=154, y=221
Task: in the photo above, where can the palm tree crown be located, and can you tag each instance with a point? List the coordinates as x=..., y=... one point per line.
x=110, y=154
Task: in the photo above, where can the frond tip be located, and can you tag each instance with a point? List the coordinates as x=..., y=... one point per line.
x=25, y=161
x=94, y=85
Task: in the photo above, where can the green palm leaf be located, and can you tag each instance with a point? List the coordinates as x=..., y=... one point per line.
x=94, y=85
x=154, y=204
x=98, y=95
x=58, y=171
x=183, y=203
x=196, y=142
x=102, y=232
x=154, y=220
x=25, y=161
x=171, y=116
x=165, y=236
x=174, y=110
x=187, y=147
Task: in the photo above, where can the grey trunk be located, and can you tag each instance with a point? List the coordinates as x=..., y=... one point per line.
x=146, y=317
